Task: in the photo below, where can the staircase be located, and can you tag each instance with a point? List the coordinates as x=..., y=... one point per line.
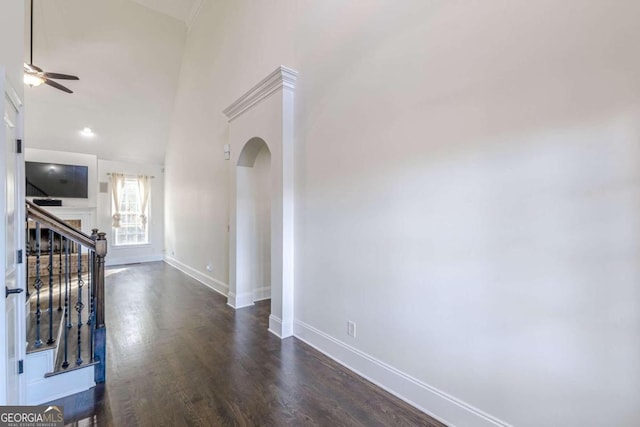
x=66, y=333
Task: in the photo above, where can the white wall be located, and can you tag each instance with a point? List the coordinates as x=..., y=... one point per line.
x=154, y=250
x=12, y=42
x=261, y=184
x=199, y=129
x=467, y=191
x=254, y=226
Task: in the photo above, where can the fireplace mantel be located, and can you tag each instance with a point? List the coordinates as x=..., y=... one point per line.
x=86, y=215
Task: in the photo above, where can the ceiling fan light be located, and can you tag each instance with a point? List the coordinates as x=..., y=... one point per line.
x=87, y=132
x=32, y=80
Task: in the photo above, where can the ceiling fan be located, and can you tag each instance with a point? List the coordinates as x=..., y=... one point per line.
x=35, y=76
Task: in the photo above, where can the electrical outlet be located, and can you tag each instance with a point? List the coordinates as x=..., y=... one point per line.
x=351, y=328
x=209, y=268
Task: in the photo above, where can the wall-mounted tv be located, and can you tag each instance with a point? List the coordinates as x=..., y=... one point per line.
x=56, y=180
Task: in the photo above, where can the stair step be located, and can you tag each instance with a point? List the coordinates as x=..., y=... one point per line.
x=44, y=330
x=85, y=355
x=70, y=368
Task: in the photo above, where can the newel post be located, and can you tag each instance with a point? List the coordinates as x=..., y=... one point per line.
x=93, y=273
x=101, y=330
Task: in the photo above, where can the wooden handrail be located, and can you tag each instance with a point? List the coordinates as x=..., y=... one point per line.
x=56, y=224
x=96, y=245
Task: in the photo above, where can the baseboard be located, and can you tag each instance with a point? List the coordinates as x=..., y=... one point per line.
x=208, y=281
x=434, y=402
x=110, y=261
x=262, y=293
x=279, y=328
x=240, y=300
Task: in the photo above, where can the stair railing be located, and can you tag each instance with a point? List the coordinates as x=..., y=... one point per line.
x=80, y=290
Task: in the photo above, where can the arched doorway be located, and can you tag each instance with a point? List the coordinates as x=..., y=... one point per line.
x=264, y=115
x=253, y=220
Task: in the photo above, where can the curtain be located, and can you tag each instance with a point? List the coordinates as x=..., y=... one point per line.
x=117, y=184
x=144, y=188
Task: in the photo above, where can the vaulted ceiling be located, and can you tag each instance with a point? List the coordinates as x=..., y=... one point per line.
x=182, y=10
x=127, y=54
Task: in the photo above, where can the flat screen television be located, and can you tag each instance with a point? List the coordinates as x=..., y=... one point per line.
x=56, y=180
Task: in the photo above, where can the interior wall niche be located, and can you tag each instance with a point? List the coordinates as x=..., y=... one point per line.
x=253, y=224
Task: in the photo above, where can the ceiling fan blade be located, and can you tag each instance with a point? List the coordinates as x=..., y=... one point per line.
x=57, y=86
x=60, y=76
x=37, y=72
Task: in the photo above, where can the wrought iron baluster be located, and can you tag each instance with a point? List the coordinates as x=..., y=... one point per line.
x=60, y=275
x=67, y=319
x=79, y=305
x=68, y=249
x=50, y=272
x=27, y=252
x=37, y=285
x=92, y=302
x=90, y=322
x=89, y=288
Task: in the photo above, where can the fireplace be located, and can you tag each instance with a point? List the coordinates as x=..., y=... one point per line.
x=44, y=238
x=58, y=246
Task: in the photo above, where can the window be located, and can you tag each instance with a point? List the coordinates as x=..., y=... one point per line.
x=132, y=227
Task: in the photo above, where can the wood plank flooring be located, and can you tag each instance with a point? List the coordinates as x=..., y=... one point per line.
x=179, y=356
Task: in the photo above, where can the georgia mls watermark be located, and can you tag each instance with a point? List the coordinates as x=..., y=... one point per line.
x=31, y=416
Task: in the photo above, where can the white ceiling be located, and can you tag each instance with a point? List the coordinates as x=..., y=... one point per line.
x=128, y=59
x=182, y=10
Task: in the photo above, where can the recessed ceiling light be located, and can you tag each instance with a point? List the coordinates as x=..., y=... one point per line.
x=87, y=132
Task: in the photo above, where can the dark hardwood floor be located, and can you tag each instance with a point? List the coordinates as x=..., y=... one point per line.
x=179, y=356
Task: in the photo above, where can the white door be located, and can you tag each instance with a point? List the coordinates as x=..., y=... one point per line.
x=10, y=233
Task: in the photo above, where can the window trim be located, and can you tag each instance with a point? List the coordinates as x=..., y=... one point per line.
x=114, y=231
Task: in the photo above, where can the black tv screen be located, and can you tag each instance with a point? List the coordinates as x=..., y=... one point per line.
x=55, y=180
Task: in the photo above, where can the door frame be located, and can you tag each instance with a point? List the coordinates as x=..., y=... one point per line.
x=9, y=93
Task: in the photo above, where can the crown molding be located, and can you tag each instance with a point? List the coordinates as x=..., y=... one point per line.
x=281, y=77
